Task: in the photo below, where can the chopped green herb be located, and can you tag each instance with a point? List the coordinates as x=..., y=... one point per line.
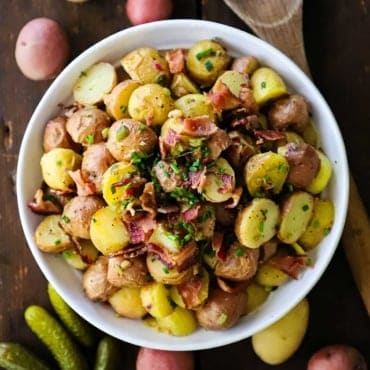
x=135, y=158
x=327, y=230
x=123, y=109
x=173, y=237
x=261, y=226
x=305, y=207
x=57, y=242
x=105, y=132
x=126, y=202
x=205, y=53
x=113, y=189
x=209, y=65
x=264, y=212
x=308, y=261
x=290, y=188
x=161, y=79
x=220, y=171
x=142, y=127
x=165, y=270
x=175, y=167
x=240, y=252
x=282, y=167
x=122, y=133
x=67, y=254
x=90, y=139
x=183, y=195
x=195, y=166
x=205, y=216
x=66, y=219
x=316, y=224
x=222, y=319
x=94, y=219
x=263, y=85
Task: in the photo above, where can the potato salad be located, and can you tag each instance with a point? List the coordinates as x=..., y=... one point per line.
x=185, y=185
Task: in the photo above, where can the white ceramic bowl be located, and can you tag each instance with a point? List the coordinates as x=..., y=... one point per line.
x=165, y=35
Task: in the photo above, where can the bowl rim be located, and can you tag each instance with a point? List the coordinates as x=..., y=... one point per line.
x=230, y=336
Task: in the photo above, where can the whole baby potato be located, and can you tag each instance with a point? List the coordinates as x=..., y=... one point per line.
x=279, y=341
x=338, y=357
x=42, y=49
x=154, y=359
x=144, y=11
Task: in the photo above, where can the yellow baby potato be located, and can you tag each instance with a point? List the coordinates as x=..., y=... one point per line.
x=319, y=225
x=113, y=194
x=193, y=105
x=127, y=302
x=107, y=231
x=117, y=101
x=154, y=297
x=267, y=85
x=279, y=342
x=150, y=104
x=55, y=166
x=256, y=296
x=181, y=85
x=179, y=322
x=270, y=276
x=323, y=177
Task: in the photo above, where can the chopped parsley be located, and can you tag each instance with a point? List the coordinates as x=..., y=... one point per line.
x=282, y=167
x=90, y=139
x=135, y=158
x=66, y=219
x=175, y=167
x=305, y=207
x=165, y=270
x=123, y=109
x=57, y=242
x=186, y=196
x=205, y=53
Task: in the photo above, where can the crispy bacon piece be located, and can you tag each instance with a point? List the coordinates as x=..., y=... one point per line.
x=182, y=260
x=189, y=292
x=43, y=206
x=191, y=214
x=171, y=138
x=140, y=228
x=268, y=249
x=62, y=196
x=227, y=183
x=199, y=126
x=235, y=198
x=79, y=249
x=292, y=265
x=157, y=66
x=217, y=143
x=268, y=135
x=176, y=60
x=171, y=208
x=196, y=179
x=217, y=245
x=163, y=150
x=147, y=199
x=248, y=121
x=83, y=187
x=240, y=149
x=134, y=184
x=222, y=97
x=131, y=251
x=248, y=100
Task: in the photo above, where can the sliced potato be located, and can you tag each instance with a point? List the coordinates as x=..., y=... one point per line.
x=94, y=83
x=176, y=296
x=257, y=222
x=162, y=274
x=50, y=237
x=256, y=296
x=107, y=231
x=163, y=238
x=117, y=101
x=154, y=297
x=81, y=260
x=181, y=85
x=193, y=105
x=179, y=322
x=310, y=134
x=266, y=172
x=270, y=276
x=55, y=166
x=219, y=182
x=320, y=223
x=113, y=194
x=323, y=177
x=267, y=85
x=296, y=213
x=127, y=302
x=150, y=104
x=146, y=66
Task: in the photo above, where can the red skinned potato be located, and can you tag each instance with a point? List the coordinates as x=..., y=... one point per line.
x=42, y=49
x=144, y=11
x=154, y=359
x=337, y=357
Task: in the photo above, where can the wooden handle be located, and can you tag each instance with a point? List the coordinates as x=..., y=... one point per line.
x=283, y=29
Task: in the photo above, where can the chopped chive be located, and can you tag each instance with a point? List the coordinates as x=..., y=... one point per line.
x=122, y=133
x=135, y=158
x=205, y=53
x=57, y=242
x=90, y=139
x=66, y=219
x=166, y=270
x=261, y=226
x=175, y=167
x=263, y=85
x=240, y=252
x=105, y=132
x=209, y=65
x=142, y=127
x=123, y=109
x=305, y=207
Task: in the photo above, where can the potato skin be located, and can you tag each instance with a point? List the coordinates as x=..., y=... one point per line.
x=155, y=359
x=338, y=357
x=42, y=49
x=144, y=11
x=222, y=310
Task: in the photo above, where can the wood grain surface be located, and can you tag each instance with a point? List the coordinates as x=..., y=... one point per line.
x=337, y=43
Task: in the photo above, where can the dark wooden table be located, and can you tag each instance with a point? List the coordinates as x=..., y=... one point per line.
x=337, y=36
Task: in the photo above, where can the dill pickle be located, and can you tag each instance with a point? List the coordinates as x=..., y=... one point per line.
x=56, y=338
x=78, y=328
x=108, y=355
x=14, y=356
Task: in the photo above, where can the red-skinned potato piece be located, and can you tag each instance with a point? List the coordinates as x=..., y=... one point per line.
x=153, y=359
x=42, y=49
x=337, y=357
x=144, y=11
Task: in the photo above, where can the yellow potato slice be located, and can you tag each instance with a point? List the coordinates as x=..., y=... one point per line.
x=94, y=83
x=256, y=296
x=256, y=223
x=179, y=322
x=154, y=297
x=270, y=276
x=127, y=302
x=50, y=237
x=323, y=177
x=107, y=231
